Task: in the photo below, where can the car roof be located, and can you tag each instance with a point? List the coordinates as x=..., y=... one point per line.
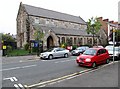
x=97, y=48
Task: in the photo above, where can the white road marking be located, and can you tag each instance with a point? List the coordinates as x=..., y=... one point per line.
x=21, y=86
x=32, y=60
x=12, y=79
x=28, y=66
x=17, y=68
x=15, y=78
x=16, y=86
x=64, y=61
x=20, y=61
x=10, y=68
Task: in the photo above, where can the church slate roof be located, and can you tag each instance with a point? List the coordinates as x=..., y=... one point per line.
x=37, y=11
x=64, y=31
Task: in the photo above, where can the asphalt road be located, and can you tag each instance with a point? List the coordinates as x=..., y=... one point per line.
x=105, y=76
x=19, y=72
x=30, y=72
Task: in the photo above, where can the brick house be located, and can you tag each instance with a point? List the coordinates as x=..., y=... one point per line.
x=106, y=29
x=57, y=27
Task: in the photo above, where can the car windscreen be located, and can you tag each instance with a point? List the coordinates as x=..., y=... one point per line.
x=90, y=52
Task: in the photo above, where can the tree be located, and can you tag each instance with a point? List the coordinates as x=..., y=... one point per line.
x=8, y=41
x=38, y=33
x=28, y=30
x=7, y=37
x=38, y=37
x=93, y=27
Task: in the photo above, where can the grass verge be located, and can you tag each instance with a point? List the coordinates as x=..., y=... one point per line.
x=18, y=52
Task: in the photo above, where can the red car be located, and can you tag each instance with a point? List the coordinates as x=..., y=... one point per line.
x=93, y=56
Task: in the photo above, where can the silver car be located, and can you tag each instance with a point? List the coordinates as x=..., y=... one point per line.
x=55, y=52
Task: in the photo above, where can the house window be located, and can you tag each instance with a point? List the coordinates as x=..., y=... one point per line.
x=52, y=22
x=47, y=21
x=90, y=40
x=80, y=41
x=37, y=20
x=75, y=40
x=71, y=40
x=59, y=40
x=63, y=40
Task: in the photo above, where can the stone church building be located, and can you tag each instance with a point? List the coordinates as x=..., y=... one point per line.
x=57, y=27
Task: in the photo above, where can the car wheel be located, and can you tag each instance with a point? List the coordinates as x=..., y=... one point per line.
x=107, y=61
x=66, y=55
x=119, y=57
x=94, y=65
x=50, y=57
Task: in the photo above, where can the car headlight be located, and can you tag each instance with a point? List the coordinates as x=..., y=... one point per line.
x=87, y=59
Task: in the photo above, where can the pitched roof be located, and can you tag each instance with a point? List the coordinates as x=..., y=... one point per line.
x=74, y=32
x=37, y=11
x=64, y=31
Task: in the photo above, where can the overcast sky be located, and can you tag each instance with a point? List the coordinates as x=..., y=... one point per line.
x=83, y=8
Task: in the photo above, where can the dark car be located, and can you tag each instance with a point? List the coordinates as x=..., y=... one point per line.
x=93, y=56
x=79, y=50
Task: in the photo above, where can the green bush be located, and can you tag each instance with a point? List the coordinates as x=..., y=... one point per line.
x=64, y=45
x=9, y=49
x=74, y=47
x=18, y=52
x=26, y=46
x=34, y=49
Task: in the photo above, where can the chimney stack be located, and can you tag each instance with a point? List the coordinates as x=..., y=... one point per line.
x=111, y=21
x=106, y=20
x=100, y=18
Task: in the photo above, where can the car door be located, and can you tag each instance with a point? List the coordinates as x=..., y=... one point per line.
x=56, y=52
x=103, y=55
x=99, y=56
x=61, y=52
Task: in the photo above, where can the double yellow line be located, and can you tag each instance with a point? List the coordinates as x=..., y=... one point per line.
x=42, y=84
x=57, y=79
